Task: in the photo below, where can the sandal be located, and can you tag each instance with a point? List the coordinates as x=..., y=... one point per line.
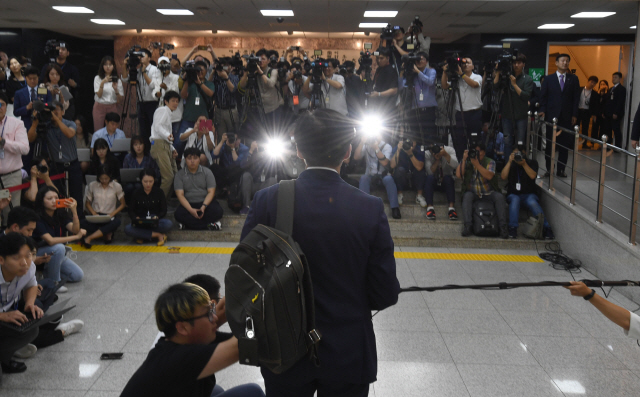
x=162, y=240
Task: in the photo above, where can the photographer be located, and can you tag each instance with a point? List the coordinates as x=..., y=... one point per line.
x=515, y=101
x=440, y=162
x=149, y=78
x=198, y=95
x=407, y=163
x=383, y=97
x=377, y=154
x=231, y=154
x=332, y=87
x=61, y=145
x=70, y=71
x=201, y=138
x=201, y=57
x=424, y=96
x=470, y=87
x=39, y=171
x=258, y=174
x=299, y=100
x=226, y=84
x=354, y=89
x=25, y=97
x=13, y=144
x=521, y=174
x=477, y=173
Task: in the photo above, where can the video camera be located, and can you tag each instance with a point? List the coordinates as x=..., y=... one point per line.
x=505, y=63
x=317, y=68
x=191, y=71
x=435, y=148
x=162, y=47
x=452, y=63
x=252, y=63
x=473, y=143
x=52, y=49
x=388, y=32
x=412, y=40
x=365, y=61
x=408, y=62
x=134, y=54
x=43, y=113
x=236, y=62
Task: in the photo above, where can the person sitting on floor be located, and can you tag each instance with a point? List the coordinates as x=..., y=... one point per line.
x=102, y=155
x=138, y=158
x=148, y=202
x=200, y=137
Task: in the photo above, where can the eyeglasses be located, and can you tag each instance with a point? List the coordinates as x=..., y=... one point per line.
x=210, y=314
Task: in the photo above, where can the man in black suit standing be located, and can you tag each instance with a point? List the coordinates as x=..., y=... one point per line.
x=559, y=98
x=613, y=112
x=344, y=233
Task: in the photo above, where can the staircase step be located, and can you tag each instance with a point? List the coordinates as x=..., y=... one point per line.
x=455, y=240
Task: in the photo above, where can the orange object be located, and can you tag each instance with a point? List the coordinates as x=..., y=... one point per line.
x=63, y=203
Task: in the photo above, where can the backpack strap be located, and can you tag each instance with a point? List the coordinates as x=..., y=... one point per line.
x=286, y=200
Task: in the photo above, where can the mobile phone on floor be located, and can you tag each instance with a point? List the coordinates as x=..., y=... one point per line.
x=111, y=356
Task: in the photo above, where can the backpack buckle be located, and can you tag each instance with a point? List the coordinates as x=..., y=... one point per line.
x=315, y=336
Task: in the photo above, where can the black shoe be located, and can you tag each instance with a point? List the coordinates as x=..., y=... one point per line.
x=13, y=367
x=513, y=232
x=504, y=232
x=561, y=174
x=467, y=231
x=395, y=213
x=84, y=244
x=548, y=234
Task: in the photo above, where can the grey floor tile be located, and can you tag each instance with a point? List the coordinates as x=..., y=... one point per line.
x=597, y=325
x=237, y=374
x=128, y=288
x=411, y=346
x=625, y=350
x=438, y=250
x=102, y=394
x=142, y=340
x=507, y=381
x=569, y=352
x=543, y=324
x=38, y=393
x=117, y=311
x=98, y=337
x=115, y=377
x=596, y=382
x=487, y=349
x=522, y=299
x=404, y=319
x=470, y=322
x=411, y=299
x=457, y=299
x=418, y=379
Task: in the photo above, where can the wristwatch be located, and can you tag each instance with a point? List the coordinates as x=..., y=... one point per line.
x=593, y=292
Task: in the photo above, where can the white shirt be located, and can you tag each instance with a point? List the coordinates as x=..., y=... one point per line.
x=108, y=94
x=303, y=101
x=171, y=81
x=372, y=158
x=161, y=127
x=148, y=90
x=10, y=292
x=337, y=97
x=585, y=97
x=634, y=327
x=193, y=141
x=471, y=97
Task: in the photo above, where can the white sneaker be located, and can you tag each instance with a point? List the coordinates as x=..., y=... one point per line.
x=26, y=352
x=70, y=327
x=62, y=290
x=400, y=197
x=421, y=200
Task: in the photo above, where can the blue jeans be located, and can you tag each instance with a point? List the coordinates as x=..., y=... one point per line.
x=184, y=125
x=530, y=201
x=60, y=267
x=164, y=225
x=248, y=390
x=389, y=184
x=520, y=135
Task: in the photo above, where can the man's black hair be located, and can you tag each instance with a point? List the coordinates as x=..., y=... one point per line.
x=169, y=95
x=617, y=74
x=31, y=243
x=203, y=64
x=261, y=52
x=192, y=151
x=31, y=70
x=207, y=282
x=148, y=172
x=562, y=55
x=424, y=55
x=3, y=97
x=112, y=116
x=593, y=78
x=323, y=137
x=10, y=244
x=385, y=52
x=481, y=146
x=521, y=58
x=21, y=216
x=334, y=62
x=146, y=51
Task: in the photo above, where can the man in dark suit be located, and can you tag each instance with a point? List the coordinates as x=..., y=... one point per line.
x=613, y=112
x=588, y=108
x=345, y=236
x=559, y=98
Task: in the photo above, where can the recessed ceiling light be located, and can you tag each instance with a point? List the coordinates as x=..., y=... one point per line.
x=73, y=10
x=514, y=39
x=176, y=11
x=107, y=21
x=380, y=14
x=8, y=34
x=592, y=14
x=632, y=27
x=277, y=13
x=373, y=25
x=556, y=26
x=493, y=46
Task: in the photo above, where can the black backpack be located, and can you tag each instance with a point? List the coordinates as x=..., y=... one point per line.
x=485, y=218
x=269, y=296
x=234, y=199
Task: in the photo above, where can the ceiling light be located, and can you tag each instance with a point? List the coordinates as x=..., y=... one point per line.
x=373, y=25
x=556, y=26
x=176, y=11
x=632, y=27
x=277, y=13
x=514, y=39
x=73, y=10
x=107, y=21
x=380, y=14
x=592, y=14
x=493, y=46
x=8, y=34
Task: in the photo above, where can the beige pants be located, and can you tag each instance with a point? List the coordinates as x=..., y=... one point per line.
x=10, y=180
x=223, y=121
x=161, y=153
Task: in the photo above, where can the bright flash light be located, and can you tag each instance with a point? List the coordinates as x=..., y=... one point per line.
x=275, y=148
x=371, y=126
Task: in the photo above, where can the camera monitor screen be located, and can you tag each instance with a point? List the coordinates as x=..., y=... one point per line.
x=317, y=52
x=368, y=46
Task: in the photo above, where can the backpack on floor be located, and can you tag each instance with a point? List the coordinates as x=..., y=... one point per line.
x=269, y=296
x=234, y=198
x=532, y=228
x=485, y=218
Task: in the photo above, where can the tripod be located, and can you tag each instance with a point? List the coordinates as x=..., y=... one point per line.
x=253, y=100
x=317, y=100
x=132, y=86
x=455, y=92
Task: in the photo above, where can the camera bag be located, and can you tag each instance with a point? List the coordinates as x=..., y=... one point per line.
x=234, y=199
x=269, y=295
x=485, y=218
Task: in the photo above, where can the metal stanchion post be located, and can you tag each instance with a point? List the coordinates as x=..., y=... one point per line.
x=552, y=163
x=574, y=166
x=536, y=131
x=635, y=197
x=66, y=181
x=529, y=134
x=603, y=163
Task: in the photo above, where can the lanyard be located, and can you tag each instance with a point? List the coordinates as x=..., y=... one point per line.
x=5, y=301
x=109, y=140
x=4, y=124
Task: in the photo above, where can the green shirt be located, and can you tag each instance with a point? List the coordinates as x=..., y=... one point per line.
x=514, y=106
x=193, y=111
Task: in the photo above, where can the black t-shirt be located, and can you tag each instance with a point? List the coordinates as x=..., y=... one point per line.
x=172, y=370
x=517, y=174
x=55, y=225
x=384, y=79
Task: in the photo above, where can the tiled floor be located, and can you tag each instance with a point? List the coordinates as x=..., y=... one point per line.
x=523, y=342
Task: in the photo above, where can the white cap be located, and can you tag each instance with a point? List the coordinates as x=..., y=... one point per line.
x=164, y=59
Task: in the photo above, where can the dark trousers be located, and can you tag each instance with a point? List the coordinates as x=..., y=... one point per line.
x=212, y=214
x=423, y=119
x=145, y=118
x=564, y=143
x=613, y=130
x=448, y=186
x=402, y=177
x=11, y=341
x=286, y=386
x=76, y=180
x=584, y=118
x=225, y=176
x=472, y=122
x=129, y=188
x=105, y=228
x=498, y=202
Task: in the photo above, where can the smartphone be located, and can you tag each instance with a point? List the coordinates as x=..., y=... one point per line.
x=202, y=48
x=208, y=124
x=111, y=356
x=199, y=212
x=63, y=203
x=174, y=55
x=296, y=48
x=114, y=79
x=5, y=193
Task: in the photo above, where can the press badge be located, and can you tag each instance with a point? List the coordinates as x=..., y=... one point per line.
x=421, y=97
x=1, y=154
x=197, y=100
x=295, y=100
x=295, y=171
x=518, y=186
x=262, y=177
x=326, y=100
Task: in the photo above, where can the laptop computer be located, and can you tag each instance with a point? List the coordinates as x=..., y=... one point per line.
x=55, y=311
x=146, y=223
x=130, y=175
x=98, y=218
x=84, y=155
x=121, y=145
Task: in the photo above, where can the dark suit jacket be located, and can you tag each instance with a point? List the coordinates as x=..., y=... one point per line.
x=557, y=103
x=20, y=102
x=345, y=235
x=594, y=104
x=614, y=102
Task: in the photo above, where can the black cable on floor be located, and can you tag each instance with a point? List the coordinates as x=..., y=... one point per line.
x=559, y=261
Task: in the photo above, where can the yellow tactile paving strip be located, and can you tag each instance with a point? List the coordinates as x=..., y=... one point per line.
x=226, y=251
